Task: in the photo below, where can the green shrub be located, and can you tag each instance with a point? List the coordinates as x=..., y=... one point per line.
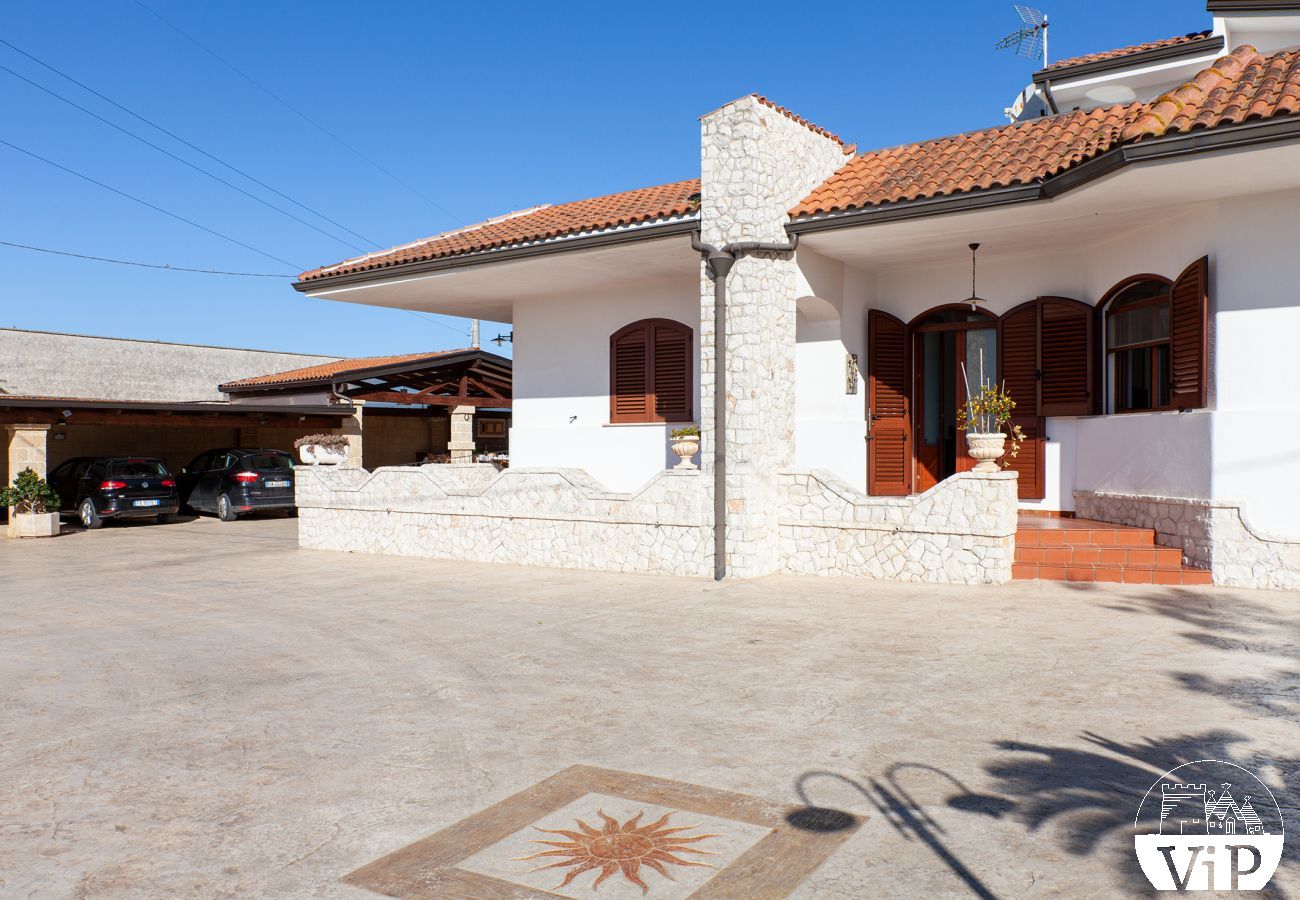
x=29, y=494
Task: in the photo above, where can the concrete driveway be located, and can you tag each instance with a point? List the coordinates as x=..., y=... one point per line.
x=202, y=709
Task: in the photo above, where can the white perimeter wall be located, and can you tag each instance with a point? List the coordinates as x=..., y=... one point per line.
x=1245, y=449
x=561, y=376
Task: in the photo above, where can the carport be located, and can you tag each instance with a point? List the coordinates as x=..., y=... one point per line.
x=41, y=432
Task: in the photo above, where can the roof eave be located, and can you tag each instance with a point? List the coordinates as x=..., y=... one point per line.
x=641, y=232
x=1209, y=44
x=1204, y=140
x=350, y=375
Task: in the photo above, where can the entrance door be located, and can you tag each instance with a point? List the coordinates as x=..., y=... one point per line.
x=952, y=347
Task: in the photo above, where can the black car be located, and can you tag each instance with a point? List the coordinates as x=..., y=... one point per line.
x=115, y=487
x=228, y=482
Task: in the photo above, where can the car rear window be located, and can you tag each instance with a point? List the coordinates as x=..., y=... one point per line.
x=136, y=468
x=264, y=461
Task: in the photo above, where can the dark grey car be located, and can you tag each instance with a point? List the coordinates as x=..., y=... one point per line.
x=230, y=482
x=118, y=487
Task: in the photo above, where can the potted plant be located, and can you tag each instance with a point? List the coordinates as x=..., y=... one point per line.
x=984, y=416
x=31, y=500
x=686, y=443
x=323, y=449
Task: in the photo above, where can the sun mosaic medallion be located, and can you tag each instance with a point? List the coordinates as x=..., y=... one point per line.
x=625, y=848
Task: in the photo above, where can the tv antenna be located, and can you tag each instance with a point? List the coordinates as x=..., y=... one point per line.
x=1031, y=38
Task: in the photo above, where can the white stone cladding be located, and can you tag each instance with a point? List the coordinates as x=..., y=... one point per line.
x=755, y=163
x=1212, y=534
x=543, y=517
x=962, y=531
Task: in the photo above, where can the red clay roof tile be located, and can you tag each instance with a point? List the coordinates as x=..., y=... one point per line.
x=537, y=224
x=340, y=367
x=1127, y=51
x=1239, y=86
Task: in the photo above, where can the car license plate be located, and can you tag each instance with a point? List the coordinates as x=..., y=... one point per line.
x=278, y=483
x=146, y=502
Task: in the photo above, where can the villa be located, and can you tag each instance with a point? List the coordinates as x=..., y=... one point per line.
x=813, y=308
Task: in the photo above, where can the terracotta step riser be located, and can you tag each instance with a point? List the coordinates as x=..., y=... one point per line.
x=1164, y=557
x=1111, y=574
x=1044, y=537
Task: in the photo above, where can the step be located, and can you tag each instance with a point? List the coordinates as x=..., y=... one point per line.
x=1095, y=533
x=1116, y=574
x=1100, y=554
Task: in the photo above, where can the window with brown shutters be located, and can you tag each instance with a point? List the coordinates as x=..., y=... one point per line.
x=650, y=372
x=1154, y=329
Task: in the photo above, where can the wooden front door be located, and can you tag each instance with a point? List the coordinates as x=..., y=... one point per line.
x=889, y=453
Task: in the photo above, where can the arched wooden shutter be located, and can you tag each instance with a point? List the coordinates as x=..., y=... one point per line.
x=650, y=372
x=1065, y=357
x=889, y=452
x=1188, y=326
x=629, y=364
x=671, y=372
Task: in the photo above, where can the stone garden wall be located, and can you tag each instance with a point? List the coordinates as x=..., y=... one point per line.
x=960, y=531
x=1212, y=534
x=542, y=517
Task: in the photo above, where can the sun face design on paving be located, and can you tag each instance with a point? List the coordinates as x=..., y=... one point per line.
x=624, y=847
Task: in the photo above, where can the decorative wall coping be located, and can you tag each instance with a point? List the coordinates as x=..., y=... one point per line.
x=1232, y=506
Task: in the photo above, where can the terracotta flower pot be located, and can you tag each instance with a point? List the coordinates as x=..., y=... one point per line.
x=316, y=455
x=685, y=448
x=987, y=448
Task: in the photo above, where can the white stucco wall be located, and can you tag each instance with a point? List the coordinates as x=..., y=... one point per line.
x=561, y=381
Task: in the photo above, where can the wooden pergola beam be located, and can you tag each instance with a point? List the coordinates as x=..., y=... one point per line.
x=408, y=399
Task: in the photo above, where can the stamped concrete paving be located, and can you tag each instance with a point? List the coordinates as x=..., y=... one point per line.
x=202, y=710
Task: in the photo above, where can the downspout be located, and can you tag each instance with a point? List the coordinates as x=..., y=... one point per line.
x=719, y=266
x=1047, y=93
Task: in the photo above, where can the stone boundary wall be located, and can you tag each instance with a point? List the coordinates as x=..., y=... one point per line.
x=544, y=517
x=1212, y=534
x=961, y=531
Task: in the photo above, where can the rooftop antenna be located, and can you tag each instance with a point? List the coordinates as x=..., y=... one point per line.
x=1031, y=38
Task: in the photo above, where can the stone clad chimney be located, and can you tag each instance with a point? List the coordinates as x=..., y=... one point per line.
x=757, y=160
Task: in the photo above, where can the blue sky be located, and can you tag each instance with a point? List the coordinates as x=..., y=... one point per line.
x=481, y=108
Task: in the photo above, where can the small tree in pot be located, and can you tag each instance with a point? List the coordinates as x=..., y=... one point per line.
x=984, y=416
x=323, y=449
x=31, y=499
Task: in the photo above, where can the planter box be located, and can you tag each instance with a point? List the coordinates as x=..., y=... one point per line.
x=316, y=455
x=28, y=525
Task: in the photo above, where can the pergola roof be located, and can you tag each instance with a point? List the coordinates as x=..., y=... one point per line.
x=469, y=377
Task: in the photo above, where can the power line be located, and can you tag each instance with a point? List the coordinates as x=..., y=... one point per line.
x=435, y=321
x=165, y=212
x=299, y=113
x=179, y=159
x=197, y=149
x=145, y=265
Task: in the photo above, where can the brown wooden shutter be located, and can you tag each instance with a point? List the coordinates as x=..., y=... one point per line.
x=1019, y=360
x=671, y=372
x=1188, y=326
x=1065, y=357
x=889, y=452
x=629, y=368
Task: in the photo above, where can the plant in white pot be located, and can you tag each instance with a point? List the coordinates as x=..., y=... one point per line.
x=323, y=449
x=985, y=417
x=685, y=443
x=30, y=500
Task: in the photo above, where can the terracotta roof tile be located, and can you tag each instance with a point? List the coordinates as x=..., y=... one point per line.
x=327, y=371
x=537, y=224
x=1239, y=86
x=817, y=129
x=1127, y=51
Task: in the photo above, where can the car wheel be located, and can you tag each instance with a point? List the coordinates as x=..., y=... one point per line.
x=89, y=516
x=226, y=509
x=292, y=513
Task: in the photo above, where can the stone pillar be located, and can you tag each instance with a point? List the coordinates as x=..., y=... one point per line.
x=756, y=162
x=439, y=434
x=352, y=427
x=28, y=449
x=461, y=445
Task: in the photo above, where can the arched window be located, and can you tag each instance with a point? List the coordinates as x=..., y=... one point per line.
x=1154, y=354
x=650, y=372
